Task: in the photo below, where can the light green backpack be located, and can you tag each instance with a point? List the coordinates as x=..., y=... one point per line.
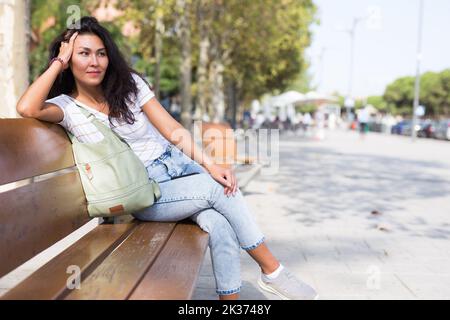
x=114, y=179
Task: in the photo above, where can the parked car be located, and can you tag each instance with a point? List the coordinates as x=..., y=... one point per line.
x=442, y=130
x=406, y=129
x=427, y=129
x=401, y=127
x=374, y=126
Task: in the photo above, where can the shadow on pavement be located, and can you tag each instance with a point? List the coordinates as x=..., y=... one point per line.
x=328, y=184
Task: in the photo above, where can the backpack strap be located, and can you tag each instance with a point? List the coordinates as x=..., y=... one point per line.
x=91, y=117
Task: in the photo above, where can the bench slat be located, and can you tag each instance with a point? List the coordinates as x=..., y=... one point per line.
x=29, y=147
x=174, y=274
x=50, y=281
x=119, y=273
x=34, y=217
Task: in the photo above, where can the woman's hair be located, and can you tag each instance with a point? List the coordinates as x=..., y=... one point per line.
x=119, y=87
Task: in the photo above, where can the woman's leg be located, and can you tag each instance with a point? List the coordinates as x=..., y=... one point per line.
x=225, y=252
x=184, y=197
x=181, y=198
x=260, y=254
x=224, y=247
x=233, y=296
x=281, y=282
x=178, y=203
x=265, y=259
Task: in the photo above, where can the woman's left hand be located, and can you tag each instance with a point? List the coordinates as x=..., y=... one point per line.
x=225, y=177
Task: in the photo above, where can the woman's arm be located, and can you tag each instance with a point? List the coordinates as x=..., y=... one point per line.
x=32, y=103
x=173, y=131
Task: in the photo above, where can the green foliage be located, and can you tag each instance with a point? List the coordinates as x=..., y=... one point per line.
x=268, y=42
x=143, y=14
x=379, y=103
x=399, y=95
x=304, y=108
x=434, y=94
x=41, y=11
x=261, y=43
x=302, y=83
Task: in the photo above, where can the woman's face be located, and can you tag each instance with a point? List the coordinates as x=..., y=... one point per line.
x=89, y=60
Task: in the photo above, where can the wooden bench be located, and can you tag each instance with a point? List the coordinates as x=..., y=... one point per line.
x=42, y=201
x=219, y=142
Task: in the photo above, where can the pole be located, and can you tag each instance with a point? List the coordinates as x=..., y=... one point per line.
x=351, y=32
x=321, y=58
x=418, y=60
x=352, y=53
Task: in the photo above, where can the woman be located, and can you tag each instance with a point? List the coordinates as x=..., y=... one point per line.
x=87, y=68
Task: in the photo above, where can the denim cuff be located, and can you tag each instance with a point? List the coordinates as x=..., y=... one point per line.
x=228, y=292
x=255, y=245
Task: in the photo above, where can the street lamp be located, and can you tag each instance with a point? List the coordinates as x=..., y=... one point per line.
x=352, y=31
x=321, y=66
x=349, y=101
x=373, y=19
x=418, y=60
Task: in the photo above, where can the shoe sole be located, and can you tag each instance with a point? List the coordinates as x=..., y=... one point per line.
x=263, y=286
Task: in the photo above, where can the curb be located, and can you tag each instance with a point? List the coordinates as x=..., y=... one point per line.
x=245, y=173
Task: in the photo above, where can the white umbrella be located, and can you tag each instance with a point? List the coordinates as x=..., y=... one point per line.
x=289, y=97
x=314, y=96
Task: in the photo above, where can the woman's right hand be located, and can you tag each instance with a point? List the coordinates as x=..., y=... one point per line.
x=225, y=177
x=66, y=49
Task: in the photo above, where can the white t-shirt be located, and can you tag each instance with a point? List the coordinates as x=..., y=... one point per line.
x=143, y=138
x=363, y=116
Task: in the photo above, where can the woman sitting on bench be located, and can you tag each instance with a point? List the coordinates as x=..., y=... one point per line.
x=86, y=68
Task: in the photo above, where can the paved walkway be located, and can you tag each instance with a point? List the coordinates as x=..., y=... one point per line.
x=317, y=215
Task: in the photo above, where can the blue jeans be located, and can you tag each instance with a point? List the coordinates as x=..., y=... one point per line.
x=200, y=198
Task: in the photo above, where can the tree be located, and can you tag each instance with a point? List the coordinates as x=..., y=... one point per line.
x=204, y=22
x=184, y=33
x=155, y=50
x=267, y=54
x=399, y=95
x=445, y=85
x=434, y=94
x=256, y=46
x=379, y=103
x=220, y=52
x=14, y=44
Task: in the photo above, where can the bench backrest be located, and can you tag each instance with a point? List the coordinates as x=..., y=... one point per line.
x=41, y=197
x=219, y=142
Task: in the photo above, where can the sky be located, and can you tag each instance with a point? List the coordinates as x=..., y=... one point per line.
x=385, y=48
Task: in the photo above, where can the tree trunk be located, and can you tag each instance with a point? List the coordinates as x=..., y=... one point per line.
x=217, y=90
x=185, y=66
x=232, y=107
x=14, y=43
x=159, y=31
x=203, y=96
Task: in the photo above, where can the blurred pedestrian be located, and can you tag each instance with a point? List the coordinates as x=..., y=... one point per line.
x=306, y=122
x=363, y=120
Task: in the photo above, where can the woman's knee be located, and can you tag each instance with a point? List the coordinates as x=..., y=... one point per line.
x=213, y=222
x=210, y=187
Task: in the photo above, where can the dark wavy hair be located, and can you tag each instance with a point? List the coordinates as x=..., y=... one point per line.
x=119, y=87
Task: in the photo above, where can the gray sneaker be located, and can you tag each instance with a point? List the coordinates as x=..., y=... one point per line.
x=288, y=287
